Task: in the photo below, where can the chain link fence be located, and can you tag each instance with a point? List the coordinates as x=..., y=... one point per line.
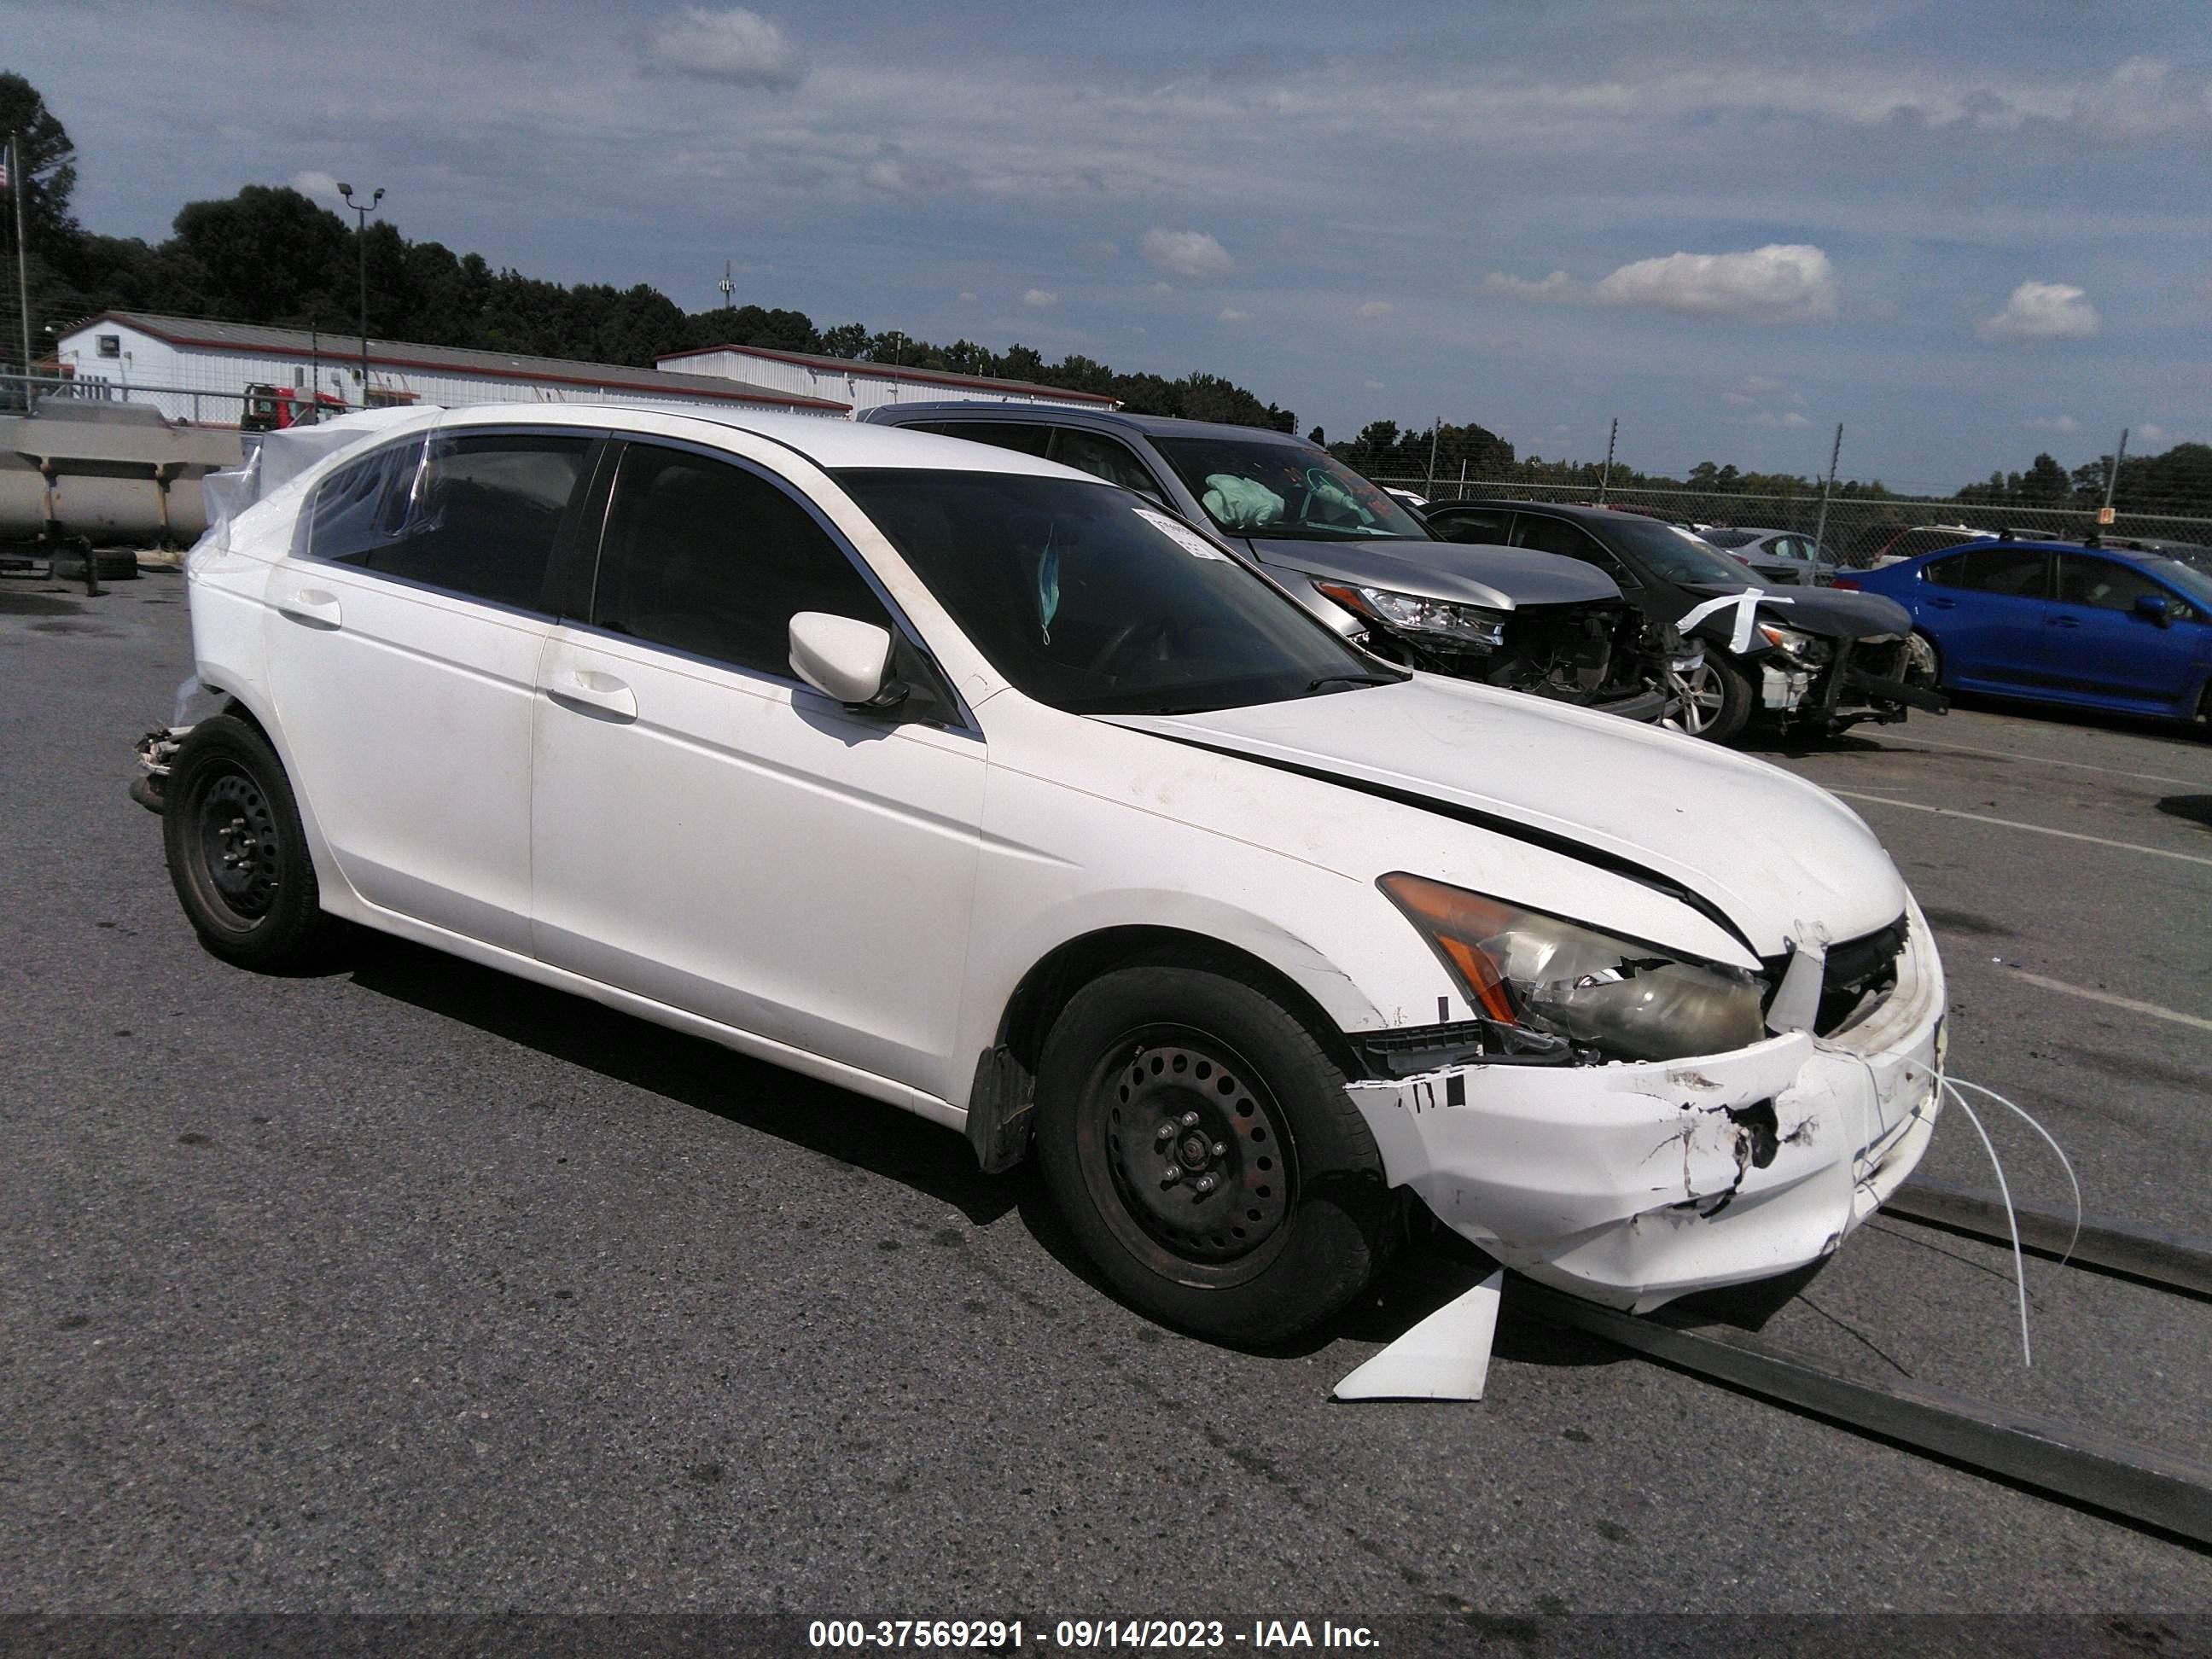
x=1858, y=530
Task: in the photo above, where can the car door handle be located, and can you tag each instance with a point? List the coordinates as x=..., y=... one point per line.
x=2065, y=621
x=313, y=606
x=1942, y=604
x=588, y=691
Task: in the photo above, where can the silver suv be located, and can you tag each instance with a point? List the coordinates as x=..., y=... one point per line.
x=1507, y=616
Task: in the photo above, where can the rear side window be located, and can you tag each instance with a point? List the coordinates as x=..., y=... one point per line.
x=475, y=514
x=709, y=557
x=2022, y=572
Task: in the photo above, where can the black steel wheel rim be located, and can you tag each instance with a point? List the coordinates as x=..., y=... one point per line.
x=1187, y=1155
x=236, y=839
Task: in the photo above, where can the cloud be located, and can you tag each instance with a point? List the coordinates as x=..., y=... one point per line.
x=737, y=47
x=1159, y=287
x=1039, y=299
x=1192, y=253
x=967, y=298
x=1232, y=315
x=1377, y=308
x=1781, y=282
x=2150, y=433
x=2055, y=424
x=1745, y=391
x=1790, y=418
x=1372, y=385
x=1102, y=249
x=320, y=185
x=2043, y=311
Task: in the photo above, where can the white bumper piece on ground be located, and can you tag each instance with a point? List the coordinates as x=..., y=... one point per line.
x=1632, y=1184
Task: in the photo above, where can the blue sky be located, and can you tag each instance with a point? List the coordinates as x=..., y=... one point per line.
x=1967, y=230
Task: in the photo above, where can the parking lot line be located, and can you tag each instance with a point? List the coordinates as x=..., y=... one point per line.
x=2043, y=760
x=2107, y=998
x=2014, y=823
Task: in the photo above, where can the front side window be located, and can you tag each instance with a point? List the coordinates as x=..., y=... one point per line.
x=1096, y=604
x=710, y=558
x=1103, y=458
x=2102, y=584
x=1254, y=487
x=1483, y=524
x=474, y=513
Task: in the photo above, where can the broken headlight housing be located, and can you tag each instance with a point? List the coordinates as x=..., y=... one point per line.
x=1468, y=627
x=1545, y=984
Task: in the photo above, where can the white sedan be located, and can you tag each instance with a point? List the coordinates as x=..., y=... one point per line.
x=984, y=788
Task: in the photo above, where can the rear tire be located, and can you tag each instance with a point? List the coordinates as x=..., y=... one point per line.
x=1275, y=1215
x=1716, y=700
x=237, y=853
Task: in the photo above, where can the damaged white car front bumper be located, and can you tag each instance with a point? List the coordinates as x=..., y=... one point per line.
x=1632, y=1184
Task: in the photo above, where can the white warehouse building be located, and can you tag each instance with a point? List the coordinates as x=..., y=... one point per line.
x=862, y=385
x=194, y=369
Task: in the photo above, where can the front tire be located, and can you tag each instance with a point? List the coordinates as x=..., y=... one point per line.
x=237, y=854
x=1715, y=699
x=1201, y=1145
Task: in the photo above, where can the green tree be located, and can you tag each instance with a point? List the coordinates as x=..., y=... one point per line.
x=49, y=161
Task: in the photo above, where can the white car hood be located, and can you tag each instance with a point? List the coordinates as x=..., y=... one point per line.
x=1783, y=859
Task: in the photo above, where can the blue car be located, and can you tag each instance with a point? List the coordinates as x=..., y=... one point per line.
x=2057, y=622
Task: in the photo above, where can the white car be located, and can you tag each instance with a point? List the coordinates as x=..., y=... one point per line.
x=985, y=788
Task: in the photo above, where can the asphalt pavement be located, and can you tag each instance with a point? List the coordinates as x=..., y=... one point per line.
x=406, y=1287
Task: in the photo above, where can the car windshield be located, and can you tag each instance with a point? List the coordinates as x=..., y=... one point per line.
x=1680, y=556
x=2188, y=577
x=1254, y=488
x=1731, y=537
x=1091, y=599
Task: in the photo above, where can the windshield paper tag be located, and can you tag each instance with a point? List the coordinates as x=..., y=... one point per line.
x=1182, y=535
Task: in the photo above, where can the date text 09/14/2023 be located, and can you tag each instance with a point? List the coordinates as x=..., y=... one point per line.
x=1010, y=1635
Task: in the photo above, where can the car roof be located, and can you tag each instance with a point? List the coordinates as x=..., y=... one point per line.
x=1165, y=426
x=830, y=444
x=2124, y=554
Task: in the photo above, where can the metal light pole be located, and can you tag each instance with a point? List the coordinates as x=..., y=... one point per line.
x=1606, y=477
x=363, y=209
x=18, y=186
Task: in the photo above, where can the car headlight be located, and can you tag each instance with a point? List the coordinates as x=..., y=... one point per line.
x=1548, y=983
x=1802, y=648
x=1466, y=625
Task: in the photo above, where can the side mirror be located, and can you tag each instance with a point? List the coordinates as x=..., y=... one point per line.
x=2156, y=606
x=841, y=657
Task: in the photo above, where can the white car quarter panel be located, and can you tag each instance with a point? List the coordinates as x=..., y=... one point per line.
x=748, y=850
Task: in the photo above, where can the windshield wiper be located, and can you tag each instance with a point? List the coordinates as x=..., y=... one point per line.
x=1313, y=686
